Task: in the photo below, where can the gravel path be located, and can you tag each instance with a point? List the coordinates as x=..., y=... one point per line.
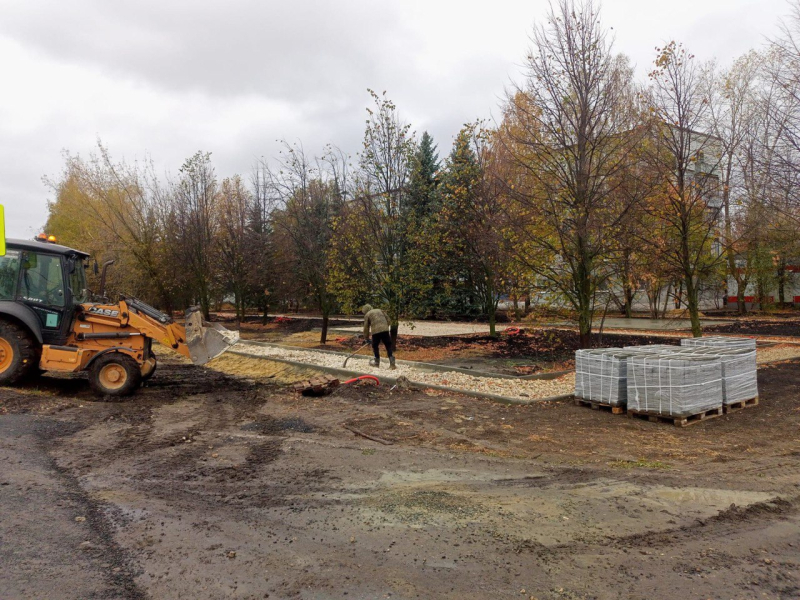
x=786, y=352
x=519, y=389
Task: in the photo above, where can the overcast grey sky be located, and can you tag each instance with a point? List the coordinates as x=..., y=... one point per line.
x=168, y=78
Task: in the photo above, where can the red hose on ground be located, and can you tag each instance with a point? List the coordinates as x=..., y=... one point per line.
x=377, y=381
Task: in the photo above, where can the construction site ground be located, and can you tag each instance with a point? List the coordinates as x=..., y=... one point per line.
x=221, y=482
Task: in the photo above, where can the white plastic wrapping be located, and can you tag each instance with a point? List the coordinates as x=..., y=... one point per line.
x=720, y=342
x=739, y=370
x=674, y=384
x=653, y=348
x=601, y=375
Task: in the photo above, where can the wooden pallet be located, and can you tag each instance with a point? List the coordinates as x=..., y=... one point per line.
x=677, y=421
x=734, y=406
x=316, y=386
x=614, y=410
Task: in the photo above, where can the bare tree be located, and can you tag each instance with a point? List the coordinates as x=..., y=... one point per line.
x=569, y=133
x=734, y=113
x=123, y=206
x=233, y=239
x=195, y=194
x=689, y=160
x=310, y=193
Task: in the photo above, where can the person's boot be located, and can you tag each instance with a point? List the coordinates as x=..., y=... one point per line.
x=375, y=362
x=391, y=363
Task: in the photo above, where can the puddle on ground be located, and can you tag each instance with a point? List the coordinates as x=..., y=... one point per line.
x=271, y=426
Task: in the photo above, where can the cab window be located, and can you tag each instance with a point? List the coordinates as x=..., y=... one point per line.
x=9, y=272
x=77, y=282
x=42, y=279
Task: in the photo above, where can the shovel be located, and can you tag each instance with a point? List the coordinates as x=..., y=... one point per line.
x=360, y=348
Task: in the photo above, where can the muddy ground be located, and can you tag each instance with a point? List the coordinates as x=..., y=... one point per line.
x=209, y=485
x=775, y=326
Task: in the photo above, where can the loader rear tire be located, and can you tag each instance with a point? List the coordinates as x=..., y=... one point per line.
x=115, y=374
x=19, y=355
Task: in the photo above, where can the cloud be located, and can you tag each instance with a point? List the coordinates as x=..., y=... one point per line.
x=232, y=78
x=277, y=49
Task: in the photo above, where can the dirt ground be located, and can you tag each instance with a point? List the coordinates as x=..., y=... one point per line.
x=785, y=326
x=211, y=485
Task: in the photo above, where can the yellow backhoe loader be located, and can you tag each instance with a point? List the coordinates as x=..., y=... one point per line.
x=49, y=322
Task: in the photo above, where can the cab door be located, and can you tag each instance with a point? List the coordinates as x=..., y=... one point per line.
x=42, y=287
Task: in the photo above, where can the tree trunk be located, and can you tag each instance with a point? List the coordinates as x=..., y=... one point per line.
x=323, y=336
x=492, y=323
x=627, y=287
x=585, y=325
x=741, y=306
x=693, y=306
x=628, y=301
x=666, y=300
x=237, y=310
x=781, y=282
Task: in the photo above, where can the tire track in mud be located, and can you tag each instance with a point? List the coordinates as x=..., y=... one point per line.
x=720, y=526
x=178, y=466
x=121, y=572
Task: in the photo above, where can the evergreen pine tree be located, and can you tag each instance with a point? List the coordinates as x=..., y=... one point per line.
x=424, y=181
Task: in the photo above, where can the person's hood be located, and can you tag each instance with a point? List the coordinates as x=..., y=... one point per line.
x=366, y=308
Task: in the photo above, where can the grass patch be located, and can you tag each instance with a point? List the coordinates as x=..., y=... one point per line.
x=638, y=464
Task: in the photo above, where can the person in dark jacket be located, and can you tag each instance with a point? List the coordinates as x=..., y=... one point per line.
x=377, y=321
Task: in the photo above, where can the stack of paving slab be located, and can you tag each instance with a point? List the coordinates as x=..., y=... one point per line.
x=674, y=384
x=719, y=342
x=601, y=375
x=700, y=375
x=739, y=371
x=737, y=362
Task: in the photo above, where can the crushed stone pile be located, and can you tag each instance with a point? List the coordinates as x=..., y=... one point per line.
x=522, y=389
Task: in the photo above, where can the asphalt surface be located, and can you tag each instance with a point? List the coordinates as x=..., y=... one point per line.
x=54, y=542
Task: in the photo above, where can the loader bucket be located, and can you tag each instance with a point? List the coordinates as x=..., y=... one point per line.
x=207, y=340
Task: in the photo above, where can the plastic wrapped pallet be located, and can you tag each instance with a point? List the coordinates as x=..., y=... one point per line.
x=675, y=385
x=739, y=371
x=601, y=375
x=719, y=342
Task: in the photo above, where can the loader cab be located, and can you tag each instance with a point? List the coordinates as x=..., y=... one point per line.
x=48, y=279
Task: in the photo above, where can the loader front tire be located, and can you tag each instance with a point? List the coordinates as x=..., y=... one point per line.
x=18, y=353
x=115, y=374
